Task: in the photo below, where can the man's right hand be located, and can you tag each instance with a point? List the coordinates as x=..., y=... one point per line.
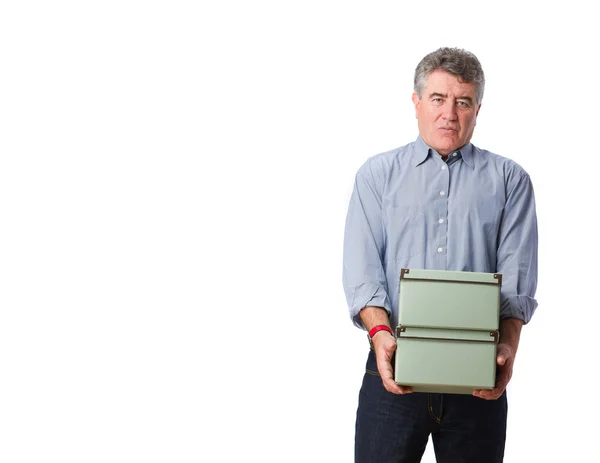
x=384, y=345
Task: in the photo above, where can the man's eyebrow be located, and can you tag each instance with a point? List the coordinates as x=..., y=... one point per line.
x=444, y=95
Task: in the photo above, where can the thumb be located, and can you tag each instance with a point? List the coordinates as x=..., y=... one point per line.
x=501, y=359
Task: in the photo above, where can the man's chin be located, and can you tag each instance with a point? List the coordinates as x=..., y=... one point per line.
x=446, y=146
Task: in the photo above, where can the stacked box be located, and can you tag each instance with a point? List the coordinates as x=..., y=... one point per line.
x=447, y=330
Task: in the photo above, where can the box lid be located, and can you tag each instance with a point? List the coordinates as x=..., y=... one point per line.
x=449, y=299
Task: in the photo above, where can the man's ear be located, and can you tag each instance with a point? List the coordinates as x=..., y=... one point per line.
x=477, y=112
x=416, y=101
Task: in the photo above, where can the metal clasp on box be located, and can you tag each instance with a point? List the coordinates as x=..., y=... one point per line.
x=402, y=329
x=497, y=279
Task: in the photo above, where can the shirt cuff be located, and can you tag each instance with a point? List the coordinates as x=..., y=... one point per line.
x=368, y=294
x=521, y=307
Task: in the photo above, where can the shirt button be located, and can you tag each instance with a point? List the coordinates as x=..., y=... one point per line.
x=444, y=167
x=441, y=221
x=440, y=249
x=442, y=193
x=454, y=154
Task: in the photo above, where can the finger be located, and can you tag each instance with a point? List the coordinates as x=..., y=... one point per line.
x=504, y=354
x=482, y=395
x=387, y=377
x=488, y=394
x=391, y=386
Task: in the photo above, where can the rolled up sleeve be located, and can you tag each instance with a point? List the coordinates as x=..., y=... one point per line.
x=363, y=274
x=518, y=251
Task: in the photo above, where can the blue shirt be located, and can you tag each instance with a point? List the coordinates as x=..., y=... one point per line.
x=410, y=209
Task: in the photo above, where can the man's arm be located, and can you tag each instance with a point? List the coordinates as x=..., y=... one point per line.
x=364, y=279
x=364, y=245
x=517, y=262
x=517, y=250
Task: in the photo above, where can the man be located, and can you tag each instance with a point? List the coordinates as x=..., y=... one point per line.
x=437, y=203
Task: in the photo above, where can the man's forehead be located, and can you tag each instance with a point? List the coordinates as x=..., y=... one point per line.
x=445, y=83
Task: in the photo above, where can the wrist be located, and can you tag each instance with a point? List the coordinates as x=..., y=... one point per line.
x=376, y=329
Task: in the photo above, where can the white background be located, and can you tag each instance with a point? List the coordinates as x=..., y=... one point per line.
x=174, y=178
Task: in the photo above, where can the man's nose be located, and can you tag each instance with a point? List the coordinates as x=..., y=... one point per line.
x=450, y=112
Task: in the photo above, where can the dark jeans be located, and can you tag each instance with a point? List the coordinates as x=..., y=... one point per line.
x=394, y=428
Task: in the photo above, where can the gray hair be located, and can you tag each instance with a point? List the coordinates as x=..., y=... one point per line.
x=461, y=63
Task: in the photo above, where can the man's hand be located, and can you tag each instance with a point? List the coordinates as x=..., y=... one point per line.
x=510, y=332
x=384, y=345
x=505, y=361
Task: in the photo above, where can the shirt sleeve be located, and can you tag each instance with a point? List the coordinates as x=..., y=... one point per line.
x=518, y=251
x=363, y=274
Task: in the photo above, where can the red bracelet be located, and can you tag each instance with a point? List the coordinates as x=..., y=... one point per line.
x=380, y=328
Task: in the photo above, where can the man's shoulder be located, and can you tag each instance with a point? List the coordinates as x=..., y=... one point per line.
x=501, y=163
x=387, y=160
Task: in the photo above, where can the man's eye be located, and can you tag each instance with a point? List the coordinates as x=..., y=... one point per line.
x=463, y=104
x=436, y=100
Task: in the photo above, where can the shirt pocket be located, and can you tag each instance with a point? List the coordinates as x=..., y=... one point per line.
x=406, y=230
x=480, y=213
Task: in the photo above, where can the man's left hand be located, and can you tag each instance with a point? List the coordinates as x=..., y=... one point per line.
x=505, y=360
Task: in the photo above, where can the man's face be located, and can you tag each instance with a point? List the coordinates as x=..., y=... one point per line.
x=446, y=112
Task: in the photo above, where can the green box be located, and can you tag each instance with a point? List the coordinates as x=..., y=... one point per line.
x=447, y=330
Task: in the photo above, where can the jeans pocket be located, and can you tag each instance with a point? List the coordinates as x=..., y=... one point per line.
x=371, y=367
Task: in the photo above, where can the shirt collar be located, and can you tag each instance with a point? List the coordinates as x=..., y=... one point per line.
x=467, y=155
x=422, y=150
